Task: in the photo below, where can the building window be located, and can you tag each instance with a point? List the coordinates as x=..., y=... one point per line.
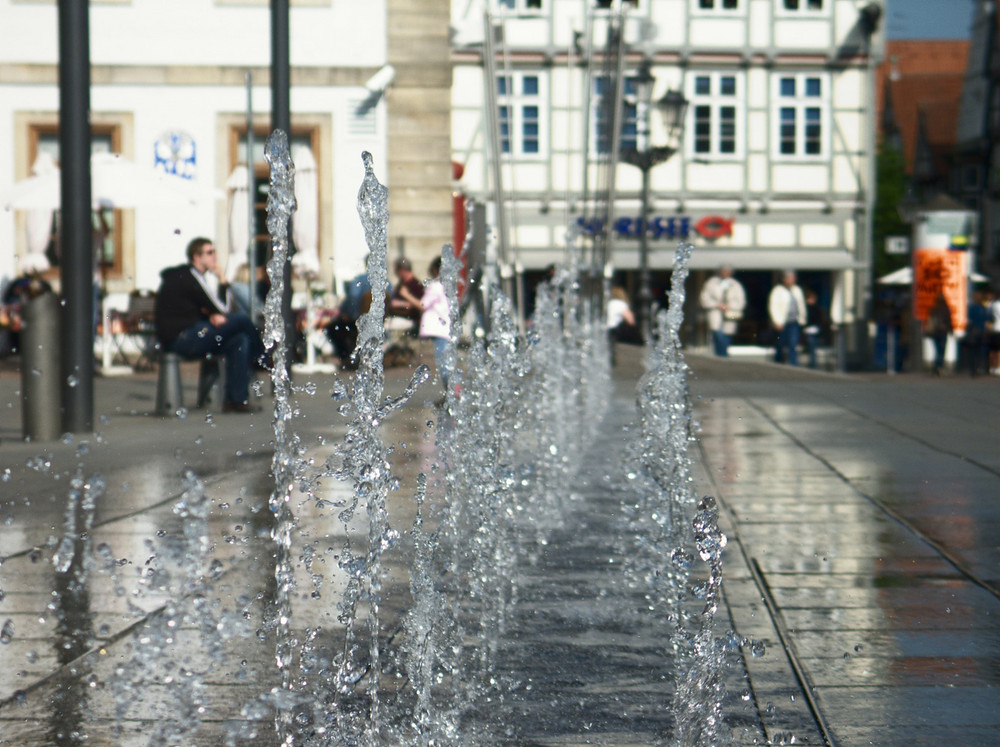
x=715, y=106
x=606, y=4
x=718, y=4
x=801, y=116
x=106, y=224
x=518, y=6
x=604, y=100
x=802, y=4
x=520, y=113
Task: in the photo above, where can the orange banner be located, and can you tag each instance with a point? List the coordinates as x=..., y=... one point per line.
x=937, y=272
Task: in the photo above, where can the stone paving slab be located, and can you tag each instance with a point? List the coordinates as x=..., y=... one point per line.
x=895, y=645
x=834, y=485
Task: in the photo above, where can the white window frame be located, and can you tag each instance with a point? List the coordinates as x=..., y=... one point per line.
x=520, y=7
x=628, y=136
x=802, y=103
x=718, y=7
x=717, y=102
x=519, y=104
x=806, y=8
x=599, y=8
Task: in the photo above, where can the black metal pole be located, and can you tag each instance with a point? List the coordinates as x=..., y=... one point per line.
x=77, y=260
x=281, y=112
x=645, y=291
x=281, y=119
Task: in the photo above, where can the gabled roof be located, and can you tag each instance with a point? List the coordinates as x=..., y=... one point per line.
x=922, y=80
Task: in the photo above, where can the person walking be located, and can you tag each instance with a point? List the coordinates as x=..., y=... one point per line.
x=787, y=308
x=937, y=328
x=993, y=337
x=975, y=350
x=723, y=299
x=817, y=324
x=194, y=322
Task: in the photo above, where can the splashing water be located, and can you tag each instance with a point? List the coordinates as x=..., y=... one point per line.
x=508, y=445
x=179, y=577
x=280, y=206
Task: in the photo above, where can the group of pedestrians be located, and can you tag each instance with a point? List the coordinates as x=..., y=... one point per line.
x=425, y=305
x=196, y=316
x=795, y=315
x=980, y=347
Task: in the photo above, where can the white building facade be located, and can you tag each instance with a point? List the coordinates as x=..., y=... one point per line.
x=169, y=90
x=775, y=166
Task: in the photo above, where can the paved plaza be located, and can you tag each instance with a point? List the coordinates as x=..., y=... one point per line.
x=862, y=512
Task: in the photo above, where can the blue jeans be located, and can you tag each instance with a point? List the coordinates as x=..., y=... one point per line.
x=812, y=345
x=237, y=340
x=440, y=348
x=788, y=338
x=720, y=340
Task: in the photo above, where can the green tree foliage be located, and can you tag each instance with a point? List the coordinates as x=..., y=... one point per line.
x=890, y=188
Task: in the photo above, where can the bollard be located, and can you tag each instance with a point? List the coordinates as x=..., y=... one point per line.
x=169, y=390
x=40, y=390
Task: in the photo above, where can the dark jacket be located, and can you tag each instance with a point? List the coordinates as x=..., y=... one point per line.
x=181, y=302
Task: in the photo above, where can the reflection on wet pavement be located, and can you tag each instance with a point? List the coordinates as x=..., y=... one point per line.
x=869, y=514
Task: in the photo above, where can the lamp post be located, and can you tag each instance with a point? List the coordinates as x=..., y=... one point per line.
x=672, y=107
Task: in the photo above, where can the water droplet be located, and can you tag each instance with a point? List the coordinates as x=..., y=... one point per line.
x=72, y=381
x=7, y=632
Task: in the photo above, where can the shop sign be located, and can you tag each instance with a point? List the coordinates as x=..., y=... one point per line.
x=176, y=153
x=660, y=227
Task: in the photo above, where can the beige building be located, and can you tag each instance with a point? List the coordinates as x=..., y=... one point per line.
x=169, y=91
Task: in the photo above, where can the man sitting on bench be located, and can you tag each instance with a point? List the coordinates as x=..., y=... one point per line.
x=192, y=321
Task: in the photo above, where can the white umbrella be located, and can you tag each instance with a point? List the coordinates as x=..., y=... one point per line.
x=239, y=225
x=39, y=221
x=305, y=225
x=904, y=276
x=305, y=261
x=116, y=182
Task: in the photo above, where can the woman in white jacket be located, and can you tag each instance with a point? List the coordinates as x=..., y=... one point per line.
x=787, y=308
x=723, y=299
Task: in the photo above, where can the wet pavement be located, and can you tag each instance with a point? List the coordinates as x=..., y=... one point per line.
x=862, y=512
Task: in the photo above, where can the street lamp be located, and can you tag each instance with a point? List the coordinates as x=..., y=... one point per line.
x=672, y=108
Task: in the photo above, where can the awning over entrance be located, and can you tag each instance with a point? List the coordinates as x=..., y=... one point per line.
x=710, y=258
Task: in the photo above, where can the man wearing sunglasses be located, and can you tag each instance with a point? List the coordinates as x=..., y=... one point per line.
x=194, y=321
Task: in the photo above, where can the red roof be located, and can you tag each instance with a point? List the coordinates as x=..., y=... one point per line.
x=925, y=78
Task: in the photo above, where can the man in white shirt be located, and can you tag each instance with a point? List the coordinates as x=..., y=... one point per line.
x=787, y=308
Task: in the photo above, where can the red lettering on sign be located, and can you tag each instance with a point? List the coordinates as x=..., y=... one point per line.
x=714, y=226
